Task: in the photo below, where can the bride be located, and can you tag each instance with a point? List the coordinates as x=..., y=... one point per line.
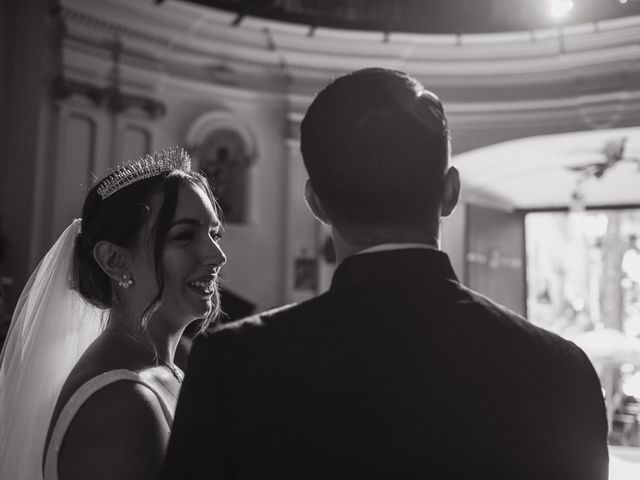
x=87, y=381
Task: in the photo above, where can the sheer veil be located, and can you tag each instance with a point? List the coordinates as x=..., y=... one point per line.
x=51, y=327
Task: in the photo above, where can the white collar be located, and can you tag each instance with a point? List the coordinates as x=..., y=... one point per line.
x=384, y=247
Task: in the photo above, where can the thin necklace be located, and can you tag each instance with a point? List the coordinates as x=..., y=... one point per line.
x=173, y=368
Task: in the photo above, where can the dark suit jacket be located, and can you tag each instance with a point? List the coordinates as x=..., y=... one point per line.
x=398, y=371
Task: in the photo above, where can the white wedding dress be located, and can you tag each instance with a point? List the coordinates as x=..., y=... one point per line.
x=52, y=327
x=77, y=400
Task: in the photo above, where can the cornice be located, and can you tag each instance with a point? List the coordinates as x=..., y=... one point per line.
x=174, y=32
x=582, y=112
x=93, y=21
x=607, y=110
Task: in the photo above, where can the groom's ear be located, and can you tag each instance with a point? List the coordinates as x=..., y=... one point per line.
x=112, y=259
x=450, y=192
x=314, y=204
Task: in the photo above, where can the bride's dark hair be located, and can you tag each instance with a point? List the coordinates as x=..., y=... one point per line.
x=121, y=219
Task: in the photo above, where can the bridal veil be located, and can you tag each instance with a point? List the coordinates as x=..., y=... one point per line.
x=51, y=327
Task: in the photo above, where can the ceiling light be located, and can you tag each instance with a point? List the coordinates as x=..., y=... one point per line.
x=560, y=8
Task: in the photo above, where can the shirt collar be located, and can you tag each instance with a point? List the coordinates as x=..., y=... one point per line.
x=385, y=247
x=402, y=266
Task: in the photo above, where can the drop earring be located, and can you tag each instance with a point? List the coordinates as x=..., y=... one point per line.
x=126, y=282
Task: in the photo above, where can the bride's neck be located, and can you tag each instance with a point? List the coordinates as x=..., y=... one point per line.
x=163, y=339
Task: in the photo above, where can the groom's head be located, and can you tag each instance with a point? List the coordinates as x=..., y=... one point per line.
x=376, y=147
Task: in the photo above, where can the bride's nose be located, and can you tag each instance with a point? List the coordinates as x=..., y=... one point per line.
x=215, y=256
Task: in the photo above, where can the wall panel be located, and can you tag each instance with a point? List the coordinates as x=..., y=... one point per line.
x=75, y=164
x=136, y=142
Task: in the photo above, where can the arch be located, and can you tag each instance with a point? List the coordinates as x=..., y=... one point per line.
x=223, y=148
x=220, y=120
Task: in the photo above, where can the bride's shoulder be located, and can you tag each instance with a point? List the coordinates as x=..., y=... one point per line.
x=95, y=383
x=103, y=356
x=121, y=424
x=119, y=405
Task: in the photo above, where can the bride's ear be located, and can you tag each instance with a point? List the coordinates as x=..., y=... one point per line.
x=112, y=259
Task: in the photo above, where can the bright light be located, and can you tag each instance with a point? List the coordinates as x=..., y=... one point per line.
x=560, y=8
x=631, y=385
x=623, y=1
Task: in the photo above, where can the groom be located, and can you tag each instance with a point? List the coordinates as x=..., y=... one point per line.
x=399, y=370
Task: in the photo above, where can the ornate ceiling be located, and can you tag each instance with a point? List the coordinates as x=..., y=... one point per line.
x=537, y=81
x=496, y=86
x=425, y=16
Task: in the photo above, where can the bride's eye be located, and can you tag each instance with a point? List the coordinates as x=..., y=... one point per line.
x=183, y=236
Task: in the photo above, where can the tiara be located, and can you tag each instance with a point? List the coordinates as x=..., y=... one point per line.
x=148, y=166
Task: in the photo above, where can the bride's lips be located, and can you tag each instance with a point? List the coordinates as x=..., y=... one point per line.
x=204, y=286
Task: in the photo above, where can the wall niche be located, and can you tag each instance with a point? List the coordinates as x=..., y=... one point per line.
x=223, y=149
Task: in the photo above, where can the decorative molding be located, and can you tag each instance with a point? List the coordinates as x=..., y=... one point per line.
x=217, y=120
x=117, y=102
x=619, y=108
x=63, y=88
x=109, y=98
x=586, y=111
x=488, y=81
x=97, y=22
x=205, y=36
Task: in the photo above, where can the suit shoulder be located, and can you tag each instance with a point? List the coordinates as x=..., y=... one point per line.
x=261, y=323
x=501, y=318
x=252, y=323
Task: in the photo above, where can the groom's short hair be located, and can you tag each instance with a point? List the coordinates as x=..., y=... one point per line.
x=376, y=147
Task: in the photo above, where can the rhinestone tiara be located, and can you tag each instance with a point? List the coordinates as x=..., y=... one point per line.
x=150, y=165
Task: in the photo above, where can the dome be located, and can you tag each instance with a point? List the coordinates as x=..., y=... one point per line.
x=439, y=16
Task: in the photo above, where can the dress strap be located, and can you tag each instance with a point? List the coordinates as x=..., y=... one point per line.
x=77, y=400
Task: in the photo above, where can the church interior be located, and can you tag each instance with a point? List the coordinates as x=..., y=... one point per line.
x=543, y=102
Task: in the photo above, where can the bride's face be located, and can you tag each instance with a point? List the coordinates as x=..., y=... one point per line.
x=191, y=260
